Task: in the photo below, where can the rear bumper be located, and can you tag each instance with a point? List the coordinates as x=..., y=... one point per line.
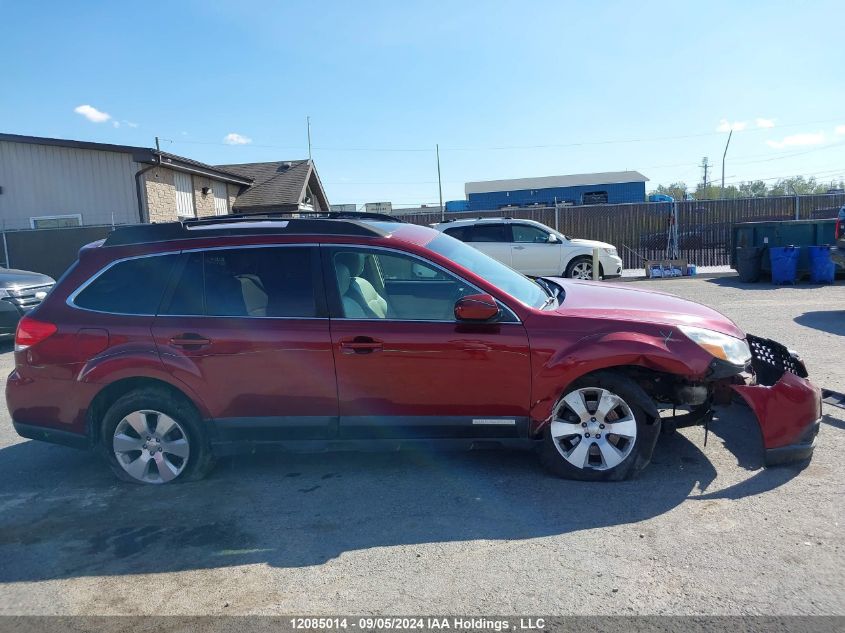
x=54, y=436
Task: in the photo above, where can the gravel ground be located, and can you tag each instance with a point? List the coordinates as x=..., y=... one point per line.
x=703, y=530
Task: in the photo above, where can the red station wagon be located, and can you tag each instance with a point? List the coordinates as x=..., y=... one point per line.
x=167, y=345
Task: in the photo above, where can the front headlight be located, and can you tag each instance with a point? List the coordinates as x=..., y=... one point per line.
x=610, y=251
x=727, y=348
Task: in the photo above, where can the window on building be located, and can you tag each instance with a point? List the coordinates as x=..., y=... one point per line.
x=56, y=221
x=595, y=197
x=147, y=278
x=221, y=198
x=184, y=195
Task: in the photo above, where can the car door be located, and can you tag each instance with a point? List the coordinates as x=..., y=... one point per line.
x=246, y=329
x=534, y=251
x=407, y=368
x=493, y=239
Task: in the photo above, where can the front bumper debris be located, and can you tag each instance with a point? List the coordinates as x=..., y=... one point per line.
x=787, y=405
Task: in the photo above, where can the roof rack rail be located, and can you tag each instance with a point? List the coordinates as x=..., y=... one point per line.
x=250, y=224
x=290, y=215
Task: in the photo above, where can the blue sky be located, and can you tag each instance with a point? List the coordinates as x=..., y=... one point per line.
x=508, y=89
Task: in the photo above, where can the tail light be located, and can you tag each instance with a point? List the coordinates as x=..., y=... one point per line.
x=31, y=332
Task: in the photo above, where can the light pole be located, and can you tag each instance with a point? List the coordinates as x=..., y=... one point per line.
x=722, y=190
x=440, y=184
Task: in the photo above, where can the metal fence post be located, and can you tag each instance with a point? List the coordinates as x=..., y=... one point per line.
x=6, y=251
x=595, y=264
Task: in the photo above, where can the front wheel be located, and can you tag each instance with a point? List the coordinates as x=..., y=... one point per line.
x=580, y=268
x=598, y=432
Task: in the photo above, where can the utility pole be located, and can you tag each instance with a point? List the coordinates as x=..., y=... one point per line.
x=308, y=124
x=722, y=190
x=705, y=164
x=440, y=183
x=158, y=149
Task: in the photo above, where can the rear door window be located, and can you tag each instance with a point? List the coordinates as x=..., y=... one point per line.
x=458, y=232
x=134, y=286
x=490, y=233
x=247, y=282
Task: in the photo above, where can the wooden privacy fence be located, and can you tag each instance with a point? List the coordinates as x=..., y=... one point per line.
x=47, y=251
x=640, y=231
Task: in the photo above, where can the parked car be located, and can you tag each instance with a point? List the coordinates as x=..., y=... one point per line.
x=20, y=292
x=838, y=254
x=533, y=248
x=169, y=344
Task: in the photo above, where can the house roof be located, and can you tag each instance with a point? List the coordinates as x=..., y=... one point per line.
x=276, y=184
x=547, y=182
x=139, y=155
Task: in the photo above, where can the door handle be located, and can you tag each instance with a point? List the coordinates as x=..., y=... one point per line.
x=519, y=248
x=361, y=345
x=190, y=339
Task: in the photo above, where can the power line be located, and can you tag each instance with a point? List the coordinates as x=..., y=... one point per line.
x=515, y=147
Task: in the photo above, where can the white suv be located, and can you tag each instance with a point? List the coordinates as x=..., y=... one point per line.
x=533, y=248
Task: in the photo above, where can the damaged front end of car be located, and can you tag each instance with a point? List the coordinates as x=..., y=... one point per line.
x=787, y=405
x=774, y=385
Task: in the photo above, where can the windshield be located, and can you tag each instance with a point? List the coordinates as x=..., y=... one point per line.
x=507, y=279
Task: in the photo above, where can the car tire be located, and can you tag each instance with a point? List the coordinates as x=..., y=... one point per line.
x=153, y=436
x=583, y=446
x=581, y=268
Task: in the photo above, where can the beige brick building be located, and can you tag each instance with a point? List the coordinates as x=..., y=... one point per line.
x=49, y=183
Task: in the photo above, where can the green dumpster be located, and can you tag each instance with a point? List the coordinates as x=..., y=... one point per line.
x=782, y=233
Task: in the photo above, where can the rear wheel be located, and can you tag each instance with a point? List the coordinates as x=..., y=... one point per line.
x=151, y=436
x=598, y=432
x=580, y=268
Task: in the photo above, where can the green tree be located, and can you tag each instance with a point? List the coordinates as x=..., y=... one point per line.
x=677, y=190
x=797, y=186
x=753, y=189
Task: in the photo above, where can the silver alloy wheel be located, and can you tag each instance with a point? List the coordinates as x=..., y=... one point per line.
x=582, y=270
x=593, y=428
x=151, y=447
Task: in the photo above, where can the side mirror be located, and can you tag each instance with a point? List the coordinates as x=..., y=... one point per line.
x=553, y=239
x=480, y=307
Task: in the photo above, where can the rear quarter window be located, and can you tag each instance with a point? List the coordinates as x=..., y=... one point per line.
x=134, y=286
x=458, y=232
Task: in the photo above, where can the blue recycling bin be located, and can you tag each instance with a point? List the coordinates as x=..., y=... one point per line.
x=822, y=268
x=784, y=264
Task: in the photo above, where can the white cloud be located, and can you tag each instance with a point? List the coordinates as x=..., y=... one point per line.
x=797, y=140
x=115, y=123
x=761, y=122
x=727, y=126
x=236, y=139
x=130, y=124
x=839, y=129
x=92, y=114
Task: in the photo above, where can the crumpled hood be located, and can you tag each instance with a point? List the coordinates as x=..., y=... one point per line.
x=595, y=299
